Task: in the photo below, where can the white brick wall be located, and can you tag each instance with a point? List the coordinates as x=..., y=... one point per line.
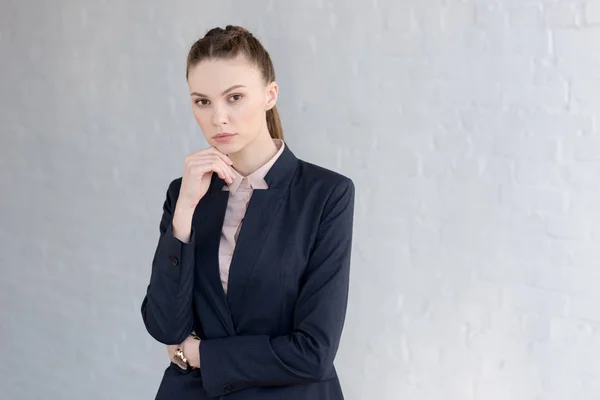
x=469, y=126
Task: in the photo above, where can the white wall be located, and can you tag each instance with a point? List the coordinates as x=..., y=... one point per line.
x=469, y=127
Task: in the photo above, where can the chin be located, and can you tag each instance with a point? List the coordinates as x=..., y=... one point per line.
x=228, y=148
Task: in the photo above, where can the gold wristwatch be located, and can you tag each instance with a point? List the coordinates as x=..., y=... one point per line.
x=179, y=358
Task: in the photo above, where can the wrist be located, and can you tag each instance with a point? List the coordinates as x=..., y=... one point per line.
x=182, y=222
x=191, y=349
x=185, y=206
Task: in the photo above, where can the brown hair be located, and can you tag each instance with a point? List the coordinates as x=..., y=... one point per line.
x=229, y=43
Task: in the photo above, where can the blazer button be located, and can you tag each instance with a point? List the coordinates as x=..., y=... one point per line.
x=174, y=261
x=227, y=388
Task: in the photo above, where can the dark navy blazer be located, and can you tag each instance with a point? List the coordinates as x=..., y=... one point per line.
x=275, y=334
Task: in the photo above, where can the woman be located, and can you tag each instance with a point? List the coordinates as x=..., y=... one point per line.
x=249, y=280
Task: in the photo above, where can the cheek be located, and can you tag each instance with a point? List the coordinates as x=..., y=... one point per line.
x=203, y=120
x=201, y=117
x=248, y=114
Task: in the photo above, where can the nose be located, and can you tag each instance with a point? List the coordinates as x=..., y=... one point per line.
x=219, y=115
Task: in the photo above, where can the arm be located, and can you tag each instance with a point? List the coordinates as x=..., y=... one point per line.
x=307, y=354
x=167, y=306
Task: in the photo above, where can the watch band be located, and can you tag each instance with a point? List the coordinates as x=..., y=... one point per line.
x=180, y=360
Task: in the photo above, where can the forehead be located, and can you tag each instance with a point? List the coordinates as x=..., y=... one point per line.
x=212, y=77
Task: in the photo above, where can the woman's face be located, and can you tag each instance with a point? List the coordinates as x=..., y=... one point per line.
x=230, y=100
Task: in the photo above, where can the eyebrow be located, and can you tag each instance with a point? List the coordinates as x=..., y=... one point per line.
x=222, y=94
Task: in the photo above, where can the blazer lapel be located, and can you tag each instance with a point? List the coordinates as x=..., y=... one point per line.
x=261, y=211
x=208, y=223
x=260, y=214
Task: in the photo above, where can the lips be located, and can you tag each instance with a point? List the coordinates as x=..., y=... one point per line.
x=223, y=137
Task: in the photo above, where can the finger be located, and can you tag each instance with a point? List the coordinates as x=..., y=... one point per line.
x=203, y=158
x=224, y=171
x=212, y=151
x=199, y=170
x=216, y=165
x=223, y=157
x=227, y=171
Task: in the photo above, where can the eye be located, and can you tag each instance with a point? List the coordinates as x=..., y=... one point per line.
x=202, y=102
x=235, y=97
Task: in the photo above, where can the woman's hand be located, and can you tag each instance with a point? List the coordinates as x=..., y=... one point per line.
x=191, y=351
x=197, y=172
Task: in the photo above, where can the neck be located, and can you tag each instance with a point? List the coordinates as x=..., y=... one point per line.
x=254, y=155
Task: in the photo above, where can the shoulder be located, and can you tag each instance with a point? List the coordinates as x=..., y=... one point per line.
x=327, y=184
x=317, y=174
x=328, y=194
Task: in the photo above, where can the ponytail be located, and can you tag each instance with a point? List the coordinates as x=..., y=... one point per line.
x=274, y=123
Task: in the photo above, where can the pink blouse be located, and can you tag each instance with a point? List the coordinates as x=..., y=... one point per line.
x=240, y=192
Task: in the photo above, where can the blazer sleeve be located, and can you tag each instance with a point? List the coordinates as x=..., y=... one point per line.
x=167, y=306
x=305, y=355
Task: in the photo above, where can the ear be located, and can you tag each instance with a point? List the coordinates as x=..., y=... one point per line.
x=272, y=92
